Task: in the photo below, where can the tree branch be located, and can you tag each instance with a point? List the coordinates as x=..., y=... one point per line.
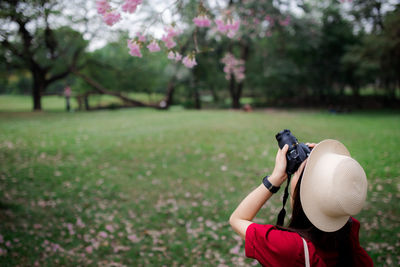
x=68, y=70
x=102, y=90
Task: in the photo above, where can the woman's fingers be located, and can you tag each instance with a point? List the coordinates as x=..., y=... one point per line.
x=312, y=145
x=285, y=149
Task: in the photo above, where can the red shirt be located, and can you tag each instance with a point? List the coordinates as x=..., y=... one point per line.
x=274, y=247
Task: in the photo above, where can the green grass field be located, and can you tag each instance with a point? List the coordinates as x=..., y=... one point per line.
x=141, y=187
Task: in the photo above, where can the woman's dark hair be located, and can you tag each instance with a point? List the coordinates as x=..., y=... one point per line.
x=338, y=241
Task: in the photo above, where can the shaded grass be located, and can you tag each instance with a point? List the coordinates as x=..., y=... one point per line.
x=18, y=103
x=162, y=185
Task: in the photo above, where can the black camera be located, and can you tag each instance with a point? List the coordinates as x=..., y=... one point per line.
x=297, y=152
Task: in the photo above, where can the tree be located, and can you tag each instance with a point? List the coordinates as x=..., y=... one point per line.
x=206, y=21
x=30, y=42
x=375, y=58
x=110, y=70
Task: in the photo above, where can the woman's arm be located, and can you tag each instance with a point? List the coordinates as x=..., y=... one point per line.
x=242, y=217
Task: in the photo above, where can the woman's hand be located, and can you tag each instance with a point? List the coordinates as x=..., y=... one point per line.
x=297, y=174
x=311, y=145
x=279, y=175
x=299, y=171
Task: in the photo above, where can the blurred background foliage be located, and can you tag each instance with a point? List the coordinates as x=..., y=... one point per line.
x=328, y=56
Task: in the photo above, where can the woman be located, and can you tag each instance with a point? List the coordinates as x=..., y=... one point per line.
x=327, y=189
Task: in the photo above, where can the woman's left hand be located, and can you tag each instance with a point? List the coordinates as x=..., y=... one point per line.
x=299, y=171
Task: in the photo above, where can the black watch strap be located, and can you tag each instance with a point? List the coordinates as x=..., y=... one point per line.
x=273, y=189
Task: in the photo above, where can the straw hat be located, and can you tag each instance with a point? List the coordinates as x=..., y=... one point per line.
x=333, y=187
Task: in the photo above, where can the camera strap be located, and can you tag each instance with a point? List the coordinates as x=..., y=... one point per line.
x=282, y=213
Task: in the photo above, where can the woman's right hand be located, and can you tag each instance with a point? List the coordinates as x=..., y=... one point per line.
x=279, y=175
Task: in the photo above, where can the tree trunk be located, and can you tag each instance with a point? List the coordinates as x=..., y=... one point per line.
x=239, y=93
x=170, y=93
x=197, y=102
x=86, y=101
x=38, y=86
x=236, y=102
x=235, y=98
x=37, y=103
x=236, y=89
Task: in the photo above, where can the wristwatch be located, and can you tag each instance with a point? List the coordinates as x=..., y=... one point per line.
x=273, y=189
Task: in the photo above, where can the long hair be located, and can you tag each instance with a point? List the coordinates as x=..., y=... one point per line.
x=338, y=241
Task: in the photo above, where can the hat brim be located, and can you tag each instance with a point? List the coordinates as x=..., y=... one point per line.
x=308, y=186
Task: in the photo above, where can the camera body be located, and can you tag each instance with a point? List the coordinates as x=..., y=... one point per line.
x=297, y=152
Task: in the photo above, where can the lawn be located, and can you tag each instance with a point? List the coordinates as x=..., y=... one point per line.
x=141, y=187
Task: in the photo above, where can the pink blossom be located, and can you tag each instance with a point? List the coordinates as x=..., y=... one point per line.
x=55, y=247
x=103, y=234
x=178, y=57
x=168, y=41
x=221, y=26
x=141, y=37
x=235, y=250
x=233, y=27
x=171, y=55
x=270, y=20
x=230, y=28
x=134, y=238
x=231, y=34
x=95, y=244
x=134, y=48
x=102, y=6
x=89, y=249
x=79, y=223
x=112, y=17
x=168, y=37
x=285, y=22
x=202, y=21
x=70, y=229
x=233, y=67
x=174, y=56
x=153, y=47
x=110, y=228
x=189, y=61
x=130, y=5
x=172, y=32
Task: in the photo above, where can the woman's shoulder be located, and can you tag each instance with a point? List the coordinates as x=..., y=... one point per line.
x=272, y=238
x=272, y=243
x=272, y=234
x=269, y=244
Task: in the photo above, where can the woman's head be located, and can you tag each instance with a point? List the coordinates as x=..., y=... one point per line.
x=329, y=187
